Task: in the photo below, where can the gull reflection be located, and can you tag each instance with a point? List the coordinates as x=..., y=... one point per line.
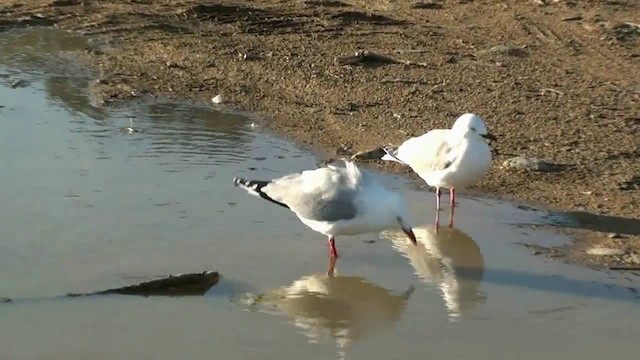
x=449, y=260
x=345, y=308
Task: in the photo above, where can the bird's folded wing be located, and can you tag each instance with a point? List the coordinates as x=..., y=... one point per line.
x=323, y=194
x=429, y=152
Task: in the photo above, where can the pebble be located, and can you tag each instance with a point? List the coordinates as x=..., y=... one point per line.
x=19, y=83
x=601, y=251
x=374, y=154
x=508, y=50
x=529, y=164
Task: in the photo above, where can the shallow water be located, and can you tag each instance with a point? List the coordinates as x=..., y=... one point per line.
x=88, y=207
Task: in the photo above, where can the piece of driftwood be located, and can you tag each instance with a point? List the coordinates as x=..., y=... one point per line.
x=625, y=268
x=367, y=57
x=174, y=285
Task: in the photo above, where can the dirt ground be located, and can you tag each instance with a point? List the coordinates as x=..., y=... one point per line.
x=556, y=80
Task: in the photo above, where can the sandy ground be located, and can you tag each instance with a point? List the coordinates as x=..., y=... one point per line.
x=555, y=80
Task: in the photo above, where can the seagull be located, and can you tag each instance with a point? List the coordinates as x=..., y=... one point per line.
x=447, y=158
x=335, y=201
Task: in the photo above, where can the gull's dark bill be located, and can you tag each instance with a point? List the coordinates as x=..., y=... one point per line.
x=410, y=235
x=490, y=137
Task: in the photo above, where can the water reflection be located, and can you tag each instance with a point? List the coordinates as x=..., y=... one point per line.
x=346, y=308
x=30, y=50
x=71, y=93
x=195, y=134
x=449, y=260
x=47, y=53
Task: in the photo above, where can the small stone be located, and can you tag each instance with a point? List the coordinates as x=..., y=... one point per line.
x=375, y=154
x=573, y=18
x=516, y=51
x=19, y=83
x=602, y=251
x=344, y=149
x=632, y=183
x=634, y=258
x=529, y=164
x=427, y=5
x=615, y=236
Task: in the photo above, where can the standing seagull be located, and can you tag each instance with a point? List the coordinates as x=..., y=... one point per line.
x=448, y=158
x=335, y=201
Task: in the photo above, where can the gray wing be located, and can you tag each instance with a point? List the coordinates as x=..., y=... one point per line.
x=324, y=194
x=340, y=206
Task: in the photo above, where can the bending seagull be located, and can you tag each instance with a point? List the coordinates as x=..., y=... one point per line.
x=448, y=158
x=335, y=201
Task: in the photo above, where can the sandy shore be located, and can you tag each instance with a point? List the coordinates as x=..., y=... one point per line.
x=558, y=82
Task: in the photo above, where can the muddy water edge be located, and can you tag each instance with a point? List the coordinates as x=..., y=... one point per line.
x=90, y=205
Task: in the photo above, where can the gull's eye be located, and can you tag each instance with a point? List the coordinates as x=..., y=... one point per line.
x=474, y=129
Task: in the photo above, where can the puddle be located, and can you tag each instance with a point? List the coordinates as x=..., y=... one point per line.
x=89, y=207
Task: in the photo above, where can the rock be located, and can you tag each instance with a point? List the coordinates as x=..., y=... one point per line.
x=626, y=31
x=530, y=164
x=632, y=183
x=508, y=50
x=427, y=5
x=634, y=258
x=19, y=83
x=344, y=149
x=615, y=236
x=573, y=18
x=374, y=154
x=602, y=251
x=545, y=2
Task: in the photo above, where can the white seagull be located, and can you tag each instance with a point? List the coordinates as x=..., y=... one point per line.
x=335, y=201
x=448, y=158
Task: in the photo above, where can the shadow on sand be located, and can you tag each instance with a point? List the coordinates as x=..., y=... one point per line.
x=596, y=222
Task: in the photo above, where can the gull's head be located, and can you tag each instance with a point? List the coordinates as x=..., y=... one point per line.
x=472, y=123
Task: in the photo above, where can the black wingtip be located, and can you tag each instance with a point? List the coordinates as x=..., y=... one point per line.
x=255, y=187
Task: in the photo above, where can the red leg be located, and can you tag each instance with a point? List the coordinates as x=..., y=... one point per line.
x=438, y=193
x=452, y=204
x=331, y=267
x=452, y=197
x=333, y=252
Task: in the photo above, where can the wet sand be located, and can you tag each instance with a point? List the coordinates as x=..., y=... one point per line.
x=555, y=82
